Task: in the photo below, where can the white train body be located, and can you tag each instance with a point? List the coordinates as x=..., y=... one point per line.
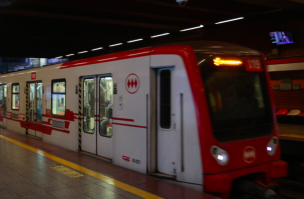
x=130, y=141
x=137, y=141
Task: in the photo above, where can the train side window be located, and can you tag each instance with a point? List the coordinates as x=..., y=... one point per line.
x=3, y=95
x=165, y=99
x=89, y=105
x=105, y=106
x=15, y=96
x=58, y=97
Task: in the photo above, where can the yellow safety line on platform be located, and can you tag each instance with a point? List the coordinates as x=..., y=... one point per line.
x=292, y=135
x=89, y=172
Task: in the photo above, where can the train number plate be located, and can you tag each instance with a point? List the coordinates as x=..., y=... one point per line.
x=253, y=64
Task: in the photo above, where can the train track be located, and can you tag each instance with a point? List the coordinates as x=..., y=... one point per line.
x=290, y=189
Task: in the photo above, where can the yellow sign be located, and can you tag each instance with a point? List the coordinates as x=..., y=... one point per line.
x=218, y=61
x=66, y=171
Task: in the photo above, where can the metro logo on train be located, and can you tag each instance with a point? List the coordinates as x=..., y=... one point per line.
x=33, y=75
x=249, y=154
x=132, y=83
x=126, y=158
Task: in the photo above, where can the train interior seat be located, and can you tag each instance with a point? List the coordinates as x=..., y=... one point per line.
x=282, y=112
x=294, y=112
x=109, y=130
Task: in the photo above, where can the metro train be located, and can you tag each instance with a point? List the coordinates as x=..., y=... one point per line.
x=198, y=112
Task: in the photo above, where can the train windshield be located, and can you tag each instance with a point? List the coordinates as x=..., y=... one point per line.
x=237, y=96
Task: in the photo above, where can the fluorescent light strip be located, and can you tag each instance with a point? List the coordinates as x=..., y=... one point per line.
x=58, y=57
x=107, y=59
x=70, y=55
x=229, y=20
x=200, y=26
x=115, y=45
x=82, y=52
x=201, y=62
x=160, y=35
x=99, y=48
x=80, y=63
x=135, y=40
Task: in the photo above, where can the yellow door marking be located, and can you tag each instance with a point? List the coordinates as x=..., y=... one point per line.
x=66, y=171
x=89, y=172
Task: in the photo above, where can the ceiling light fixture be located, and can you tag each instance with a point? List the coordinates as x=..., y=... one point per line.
x=135, y=40
x=229, y=20
x=82, y=52
x=70, y=55
x=118, y=44
x=181, y=2
x=160, y=35
x=200, y=26
x=58, y=57
x=99, y=48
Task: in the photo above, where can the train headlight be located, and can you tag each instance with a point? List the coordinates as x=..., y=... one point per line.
x=220, y=155
x=272, y=146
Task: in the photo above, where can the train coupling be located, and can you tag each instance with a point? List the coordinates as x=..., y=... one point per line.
x=255, y=189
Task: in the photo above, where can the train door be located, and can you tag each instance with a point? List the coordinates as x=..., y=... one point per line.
x=34, y=96
x=97, y=100
x=166, y=130
x=3, y=97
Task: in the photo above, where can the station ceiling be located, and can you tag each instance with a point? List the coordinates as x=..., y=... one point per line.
x=52, y=28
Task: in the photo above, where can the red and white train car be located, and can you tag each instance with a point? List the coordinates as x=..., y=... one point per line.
x=196, y=112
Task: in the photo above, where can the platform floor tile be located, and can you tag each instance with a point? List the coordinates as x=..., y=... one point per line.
x=25, y=173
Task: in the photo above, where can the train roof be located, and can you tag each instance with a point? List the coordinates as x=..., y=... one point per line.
x=207, y=47
x=199, y=46
x=216, y=47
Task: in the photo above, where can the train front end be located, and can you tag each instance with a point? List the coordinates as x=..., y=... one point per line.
x=237, y=126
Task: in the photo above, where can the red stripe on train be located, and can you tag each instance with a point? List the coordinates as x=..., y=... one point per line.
x=144, y=127
x=123, y=119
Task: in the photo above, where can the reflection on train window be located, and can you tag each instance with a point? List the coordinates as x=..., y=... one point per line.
x=32, y=93
x=15, y=96
x=105, y=106
x=89, y=105
x=39, y=90
x=165, y=99
x=235, y=95
x=59, y=87
x=58, y=97
x=3, y=95
x=239, y=104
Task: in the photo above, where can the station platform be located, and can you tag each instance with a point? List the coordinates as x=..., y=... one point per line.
x=31, y=168
x=293, y=132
